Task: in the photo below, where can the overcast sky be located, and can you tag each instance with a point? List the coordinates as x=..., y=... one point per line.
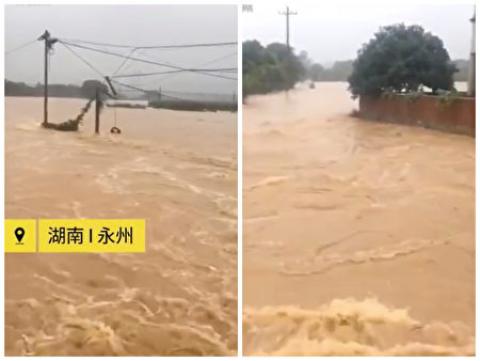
x=335, y=30
x=123, y=24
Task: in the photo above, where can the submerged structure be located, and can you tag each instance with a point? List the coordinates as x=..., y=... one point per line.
x=70, y=125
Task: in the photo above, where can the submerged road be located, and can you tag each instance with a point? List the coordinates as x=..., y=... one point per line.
x=359, y=237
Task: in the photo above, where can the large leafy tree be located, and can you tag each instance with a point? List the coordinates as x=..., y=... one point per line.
x=401, y=59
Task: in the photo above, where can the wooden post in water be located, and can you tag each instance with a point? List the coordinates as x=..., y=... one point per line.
x=97, y=112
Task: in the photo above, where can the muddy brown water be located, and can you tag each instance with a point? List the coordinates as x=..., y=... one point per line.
x=359, y=237
x=175, y=169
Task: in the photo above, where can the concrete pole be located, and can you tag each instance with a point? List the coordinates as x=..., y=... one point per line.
x=46, y=38
x=49, y=41
x=287, y=14
x=471, y=67
x=288, y=28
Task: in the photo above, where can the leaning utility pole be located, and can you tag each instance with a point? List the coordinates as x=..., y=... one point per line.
x=48, y=45
x=287, y=14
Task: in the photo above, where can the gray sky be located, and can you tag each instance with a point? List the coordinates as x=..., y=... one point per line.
x=123, y=24
x=335, y=30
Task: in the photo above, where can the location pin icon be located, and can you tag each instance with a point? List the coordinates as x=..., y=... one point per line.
x=19, y=233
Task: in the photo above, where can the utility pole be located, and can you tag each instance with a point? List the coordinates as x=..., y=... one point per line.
x=97, y=111
x=49, y=41
x=287, y=14
x=471, y=70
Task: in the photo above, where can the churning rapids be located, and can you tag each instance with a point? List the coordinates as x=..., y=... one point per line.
x=175, y=169
x=359, y=237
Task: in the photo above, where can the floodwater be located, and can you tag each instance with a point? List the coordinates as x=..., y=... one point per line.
x=359, y=237
x=175, y=169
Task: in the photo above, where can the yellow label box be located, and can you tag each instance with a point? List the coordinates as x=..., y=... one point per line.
x=20, y=235
x=91, y=235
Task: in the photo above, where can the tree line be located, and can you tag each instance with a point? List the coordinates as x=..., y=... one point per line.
x=398, y=57
x=86, y=90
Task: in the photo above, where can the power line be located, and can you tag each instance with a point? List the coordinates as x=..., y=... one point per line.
x=20, y=47
x=196, y=93
x=219, y=58
x=123, y=84
x=200, y=71
x=145, y=74
x=106, y=78
x=165, y=93
x=151, y=91
x=210, y=72
x=83, y=60
x=197, y=45
x=203, y=64
x=220, y=70
x=125, y=61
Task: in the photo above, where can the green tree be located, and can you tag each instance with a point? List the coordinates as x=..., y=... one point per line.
x=269, y=69
x=400, y=59
x=290, y=65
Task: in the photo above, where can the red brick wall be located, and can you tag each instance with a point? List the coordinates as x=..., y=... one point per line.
x=456, y=115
